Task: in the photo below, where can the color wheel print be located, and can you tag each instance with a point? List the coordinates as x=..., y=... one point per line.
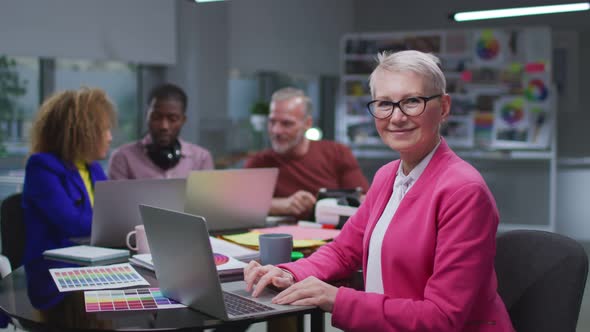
x=536, y=90
x=487, y=46
x=512, y=112
x=220, y=259
x=484, y=121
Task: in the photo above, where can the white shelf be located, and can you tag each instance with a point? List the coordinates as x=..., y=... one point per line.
x=505, y=227
x=356, y=119
x=505, y=155
x=357, y=77
x=579, y=161
x=378, y=150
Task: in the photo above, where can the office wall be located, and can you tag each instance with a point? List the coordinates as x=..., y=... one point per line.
x=139, y=31
x=297, y=37
x=202, y=71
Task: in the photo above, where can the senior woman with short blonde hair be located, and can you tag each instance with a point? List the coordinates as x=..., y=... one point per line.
x=425, y=234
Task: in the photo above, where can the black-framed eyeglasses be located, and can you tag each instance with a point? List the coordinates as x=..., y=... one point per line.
x=411, y=106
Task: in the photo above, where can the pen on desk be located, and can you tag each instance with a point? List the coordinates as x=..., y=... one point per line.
x=309, y=224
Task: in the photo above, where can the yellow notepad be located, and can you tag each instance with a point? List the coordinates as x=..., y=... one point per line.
x=250, y=239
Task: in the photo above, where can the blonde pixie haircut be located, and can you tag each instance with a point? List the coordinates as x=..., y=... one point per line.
x=424, y=64
x=71, y=124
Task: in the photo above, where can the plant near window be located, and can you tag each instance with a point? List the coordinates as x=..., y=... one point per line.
x=260, y=108
x=259, y=115
x=11, y=87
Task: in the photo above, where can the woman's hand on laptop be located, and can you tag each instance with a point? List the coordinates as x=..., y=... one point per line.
x=257, y=277
x=311, y=291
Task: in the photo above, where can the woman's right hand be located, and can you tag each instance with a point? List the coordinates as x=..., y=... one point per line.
x=257, y=277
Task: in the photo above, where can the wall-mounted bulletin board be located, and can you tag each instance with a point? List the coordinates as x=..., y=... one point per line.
x=500, y=82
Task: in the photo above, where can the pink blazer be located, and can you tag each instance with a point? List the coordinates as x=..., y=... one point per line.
x=437, y=255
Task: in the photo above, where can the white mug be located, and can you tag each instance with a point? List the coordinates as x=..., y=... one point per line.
x=141, y=242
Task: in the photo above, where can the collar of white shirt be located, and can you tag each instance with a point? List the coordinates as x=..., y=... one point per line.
x=406, y=181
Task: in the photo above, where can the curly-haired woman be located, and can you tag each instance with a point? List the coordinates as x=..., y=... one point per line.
x=72, y=131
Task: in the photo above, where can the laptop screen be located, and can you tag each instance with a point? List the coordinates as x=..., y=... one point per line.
x=231, y=199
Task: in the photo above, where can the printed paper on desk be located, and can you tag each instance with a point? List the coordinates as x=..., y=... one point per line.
x=231, y=249
x=96, y=277
x=303, y=233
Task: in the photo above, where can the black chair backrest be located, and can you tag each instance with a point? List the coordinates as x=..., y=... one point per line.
x=12, y=225
x=541, y=278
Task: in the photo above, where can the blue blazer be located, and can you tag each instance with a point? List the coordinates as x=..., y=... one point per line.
x=56, y=204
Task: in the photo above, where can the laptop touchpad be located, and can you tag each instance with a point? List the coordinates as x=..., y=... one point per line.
x=266, y=295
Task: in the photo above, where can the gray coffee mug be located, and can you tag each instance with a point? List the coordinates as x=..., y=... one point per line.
x=275, y=248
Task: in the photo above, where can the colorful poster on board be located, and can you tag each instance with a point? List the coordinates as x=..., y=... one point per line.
x=483, y=127
x=539, y=97
x=536, y=87
x=489, y=47
x=511, y=123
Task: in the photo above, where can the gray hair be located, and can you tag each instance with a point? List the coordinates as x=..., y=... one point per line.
x=290, y=92
x=424, y=64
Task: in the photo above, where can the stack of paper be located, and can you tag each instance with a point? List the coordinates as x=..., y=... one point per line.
x=233, y=250
x=87, y=254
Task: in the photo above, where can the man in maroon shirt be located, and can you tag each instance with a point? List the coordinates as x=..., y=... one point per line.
x=304, y=166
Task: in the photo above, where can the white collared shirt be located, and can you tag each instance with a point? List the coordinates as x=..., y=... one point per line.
x=401, y=186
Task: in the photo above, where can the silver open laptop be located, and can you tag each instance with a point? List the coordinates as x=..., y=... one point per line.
x=231, y=199
x=115, y=206
x=186, y=270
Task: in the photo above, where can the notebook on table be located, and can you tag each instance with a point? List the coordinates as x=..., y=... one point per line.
x=234, y=199
x=116, y=213
x=187, y=273
x=87, y=254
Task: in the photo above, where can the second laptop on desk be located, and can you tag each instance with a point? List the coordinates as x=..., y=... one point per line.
x=235, y=199
x=116, y=213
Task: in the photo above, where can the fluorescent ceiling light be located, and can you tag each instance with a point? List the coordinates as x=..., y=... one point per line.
x=207, y=0
x=522, y=11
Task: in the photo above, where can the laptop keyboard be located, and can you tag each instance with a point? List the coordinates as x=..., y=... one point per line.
x=237, y=305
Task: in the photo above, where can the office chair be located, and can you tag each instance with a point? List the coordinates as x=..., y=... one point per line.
x=541, y=278
x=12, y=224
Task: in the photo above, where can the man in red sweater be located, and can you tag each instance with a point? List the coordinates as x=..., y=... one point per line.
x=304, y=166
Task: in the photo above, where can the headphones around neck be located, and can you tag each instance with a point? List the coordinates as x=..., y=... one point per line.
x=164, y=157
